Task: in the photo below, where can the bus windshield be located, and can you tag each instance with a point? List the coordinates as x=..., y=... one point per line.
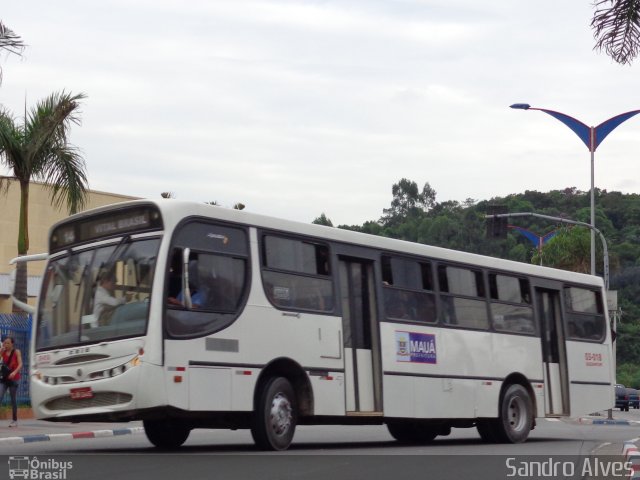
x=97, y=294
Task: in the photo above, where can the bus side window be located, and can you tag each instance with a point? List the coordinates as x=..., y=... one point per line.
x=585, y=314
x=296, y=274
x=463, y=295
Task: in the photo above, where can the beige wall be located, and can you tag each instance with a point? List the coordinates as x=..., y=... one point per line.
x=42, y=215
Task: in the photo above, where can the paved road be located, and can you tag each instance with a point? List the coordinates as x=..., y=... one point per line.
x=106, y=451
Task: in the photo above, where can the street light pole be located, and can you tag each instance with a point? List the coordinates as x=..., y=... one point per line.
x=591, y=137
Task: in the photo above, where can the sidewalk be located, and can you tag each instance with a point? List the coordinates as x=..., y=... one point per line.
x=29, y=431
x=602, y=419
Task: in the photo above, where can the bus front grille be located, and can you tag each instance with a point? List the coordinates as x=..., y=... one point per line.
x=100, y=399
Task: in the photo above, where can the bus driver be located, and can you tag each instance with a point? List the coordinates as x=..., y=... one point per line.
x=104, y=302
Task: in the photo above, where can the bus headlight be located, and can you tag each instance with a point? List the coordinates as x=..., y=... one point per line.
x=115, y=371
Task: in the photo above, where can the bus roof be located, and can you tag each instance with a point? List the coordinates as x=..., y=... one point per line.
x=174, y=211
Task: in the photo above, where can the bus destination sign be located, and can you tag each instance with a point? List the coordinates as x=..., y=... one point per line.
x=107, y=225
x=116, y=224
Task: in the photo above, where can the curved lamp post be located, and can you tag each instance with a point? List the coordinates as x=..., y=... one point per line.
x=591, y=137
x=538, y=240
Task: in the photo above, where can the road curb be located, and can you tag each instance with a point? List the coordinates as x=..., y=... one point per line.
x=53, y=437
x=604, y=421
x=610, y=422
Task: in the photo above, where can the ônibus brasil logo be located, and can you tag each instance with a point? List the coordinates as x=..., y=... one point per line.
x=35, y=469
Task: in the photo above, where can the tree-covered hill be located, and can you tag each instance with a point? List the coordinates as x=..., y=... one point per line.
x=415, y=214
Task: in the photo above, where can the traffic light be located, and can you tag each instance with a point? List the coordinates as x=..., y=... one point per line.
x=496, y=226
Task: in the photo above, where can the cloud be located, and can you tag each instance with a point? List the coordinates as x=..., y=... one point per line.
x=301, y=107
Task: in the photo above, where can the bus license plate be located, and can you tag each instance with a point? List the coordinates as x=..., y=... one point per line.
x=80, y=393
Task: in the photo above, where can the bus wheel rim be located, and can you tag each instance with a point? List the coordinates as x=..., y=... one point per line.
x=517, y=412
x=280, y=414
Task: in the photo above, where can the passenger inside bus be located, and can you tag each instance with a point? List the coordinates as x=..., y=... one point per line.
x=198, y=297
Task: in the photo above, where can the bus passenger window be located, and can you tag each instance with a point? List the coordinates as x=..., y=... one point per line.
x=407, y=289
x=462, y=292
x=296, y=274
x=585, y=314
x=511, y=308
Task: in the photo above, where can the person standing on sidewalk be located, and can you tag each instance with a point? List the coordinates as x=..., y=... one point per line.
x=11, y=358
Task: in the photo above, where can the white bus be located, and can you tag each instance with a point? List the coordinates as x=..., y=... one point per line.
x=227, y=319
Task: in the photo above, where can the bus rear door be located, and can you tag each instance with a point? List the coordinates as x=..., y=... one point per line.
x=361, y=338
x=554, y=355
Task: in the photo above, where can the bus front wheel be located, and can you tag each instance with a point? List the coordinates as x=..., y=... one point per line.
x=516, y=415
x=275, y=416
x=166, y=434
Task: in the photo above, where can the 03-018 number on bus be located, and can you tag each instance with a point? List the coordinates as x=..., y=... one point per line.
x=593, y=359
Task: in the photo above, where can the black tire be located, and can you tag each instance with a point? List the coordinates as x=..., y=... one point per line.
x=486, y=429
x=516, y=415
x=412, y=432
x=166, y=434
x=275, y=416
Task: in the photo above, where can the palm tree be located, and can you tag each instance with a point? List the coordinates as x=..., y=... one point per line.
x=10, y=42
x=617, y=28
x=37, y=149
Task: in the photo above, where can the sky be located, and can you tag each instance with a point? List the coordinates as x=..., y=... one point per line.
x=301, y=107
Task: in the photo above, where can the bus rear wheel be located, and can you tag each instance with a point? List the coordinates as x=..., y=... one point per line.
x=486, y=428
x=166, y=434
x=275, y=416
x=412, y=432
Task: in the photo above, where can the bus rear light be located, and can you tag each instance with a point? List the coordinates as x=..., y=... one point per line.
x=244, y=372
x=177, y=379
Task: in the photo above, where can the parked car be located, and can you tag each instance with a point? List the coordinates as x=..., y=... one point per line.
x=634, y=399
x=622, y=397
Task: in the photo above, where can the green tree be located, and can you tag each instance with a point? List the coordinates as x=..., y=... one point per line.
x=616, y=26
x=9, y=42
x=408, y=200
x=570, y=249
x=38, y=149
x=323, y=220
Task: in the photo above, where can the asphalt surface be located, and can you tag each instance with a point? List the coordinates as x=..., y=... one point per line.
x=32, y=430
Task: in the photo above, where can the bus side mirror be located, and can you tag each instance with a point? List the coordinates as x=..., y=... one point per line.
x=12, y=279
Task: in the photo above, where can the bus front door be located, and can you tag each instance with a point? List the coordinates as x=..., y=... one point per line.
x=554, y=355
x=360, y=332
